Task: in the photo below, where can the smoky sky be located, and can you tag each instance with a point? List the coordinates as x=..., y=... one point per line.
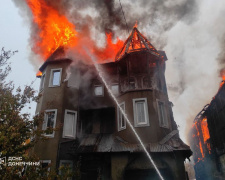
x=188, y=30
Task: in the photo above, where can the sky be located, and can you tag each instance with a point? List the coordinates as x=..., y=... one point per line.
x=193, y=44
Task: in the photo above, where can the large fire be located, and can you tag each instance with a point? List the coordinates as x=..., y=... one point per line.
x=55, y=30
x=202, y=135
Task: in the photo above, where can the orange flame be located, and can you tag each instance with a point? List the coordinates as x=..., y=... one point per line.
x=110, y=50
x=54, y=29
x=39, y=74
x=205, y=131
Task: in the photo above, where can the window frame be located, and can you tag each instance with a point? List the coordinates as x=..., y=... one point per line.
x=42, y=83
x=119, y=117
x=51, y=77
x=75, y=125
x=44, y=128
x=99, y=85
x=136, y=123
x=161, y=122
x=46, y=161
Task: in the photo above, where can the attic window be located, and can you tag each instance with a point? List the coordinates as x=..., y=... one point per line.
x=55, y=77
x=99, y=90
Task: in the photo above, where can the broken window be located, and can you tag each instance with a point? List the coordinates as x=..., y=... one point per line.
x=55, y=77
x=42, y=82
x=121, y=119
x=140, y=112
x=163, y=121
x=69, y=127
x=49, y=122
x=99, y=90
x=132, y=83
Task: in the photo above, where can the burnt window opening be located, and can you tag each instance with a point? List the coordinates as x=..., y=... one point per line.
x=131, y=83
x=99, y=90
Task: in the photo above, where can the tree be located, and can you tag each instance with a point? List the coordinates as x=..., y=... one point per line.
x=17, y=128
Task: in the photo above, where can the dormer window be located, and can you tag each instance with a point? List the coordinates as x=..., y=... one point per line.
x=55, y=77
x=99, y=90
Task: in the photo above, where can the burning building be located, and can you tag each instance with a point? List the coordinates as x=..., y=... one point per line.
x=207, y=139
x=91, y=135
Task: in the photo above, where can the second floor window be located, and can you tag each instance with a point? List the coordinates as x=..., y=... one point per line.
x=49, y=122
x=140, y=112
x=55, y=77
x=69, y=126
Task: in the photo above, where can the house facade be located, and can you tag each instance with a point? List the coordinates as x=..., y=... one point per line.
x=90, y=133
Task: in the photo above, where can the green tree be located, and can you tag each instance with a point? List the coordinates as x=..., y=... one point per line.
x=17, y=128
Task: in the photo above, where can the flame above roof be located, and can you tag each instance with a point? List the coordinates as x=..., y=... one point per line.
x=136, y=42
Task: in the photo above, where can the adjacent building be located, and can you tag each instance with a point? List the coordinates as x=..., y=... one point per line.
x=207, y=139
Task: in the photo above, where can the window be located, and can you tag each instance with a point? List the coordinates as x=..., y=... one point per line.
x=69, y=127
x=99, y=90
x=66, y=164
x=55, y=77
x=49, y=122
x=45, y=164
x=163, y=121
x=140, y=112
x=131, y=83
x=145, y=82
x=120, y=117
x=115, y=89
x=42, y=82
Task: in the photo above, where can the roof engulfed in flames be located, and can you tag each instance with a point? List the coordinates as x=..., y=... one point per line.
x=54, y=29
x=136, y=42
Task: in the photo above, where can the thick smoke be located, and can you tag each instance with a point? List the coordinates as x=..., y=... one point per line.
x=190, y=31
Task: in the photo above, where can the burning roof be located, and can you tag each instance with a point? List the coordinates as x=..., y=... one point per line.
x=136, y=42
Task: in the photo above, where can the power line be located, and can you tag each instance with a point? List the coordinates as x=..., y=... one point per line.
x=124, y=17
